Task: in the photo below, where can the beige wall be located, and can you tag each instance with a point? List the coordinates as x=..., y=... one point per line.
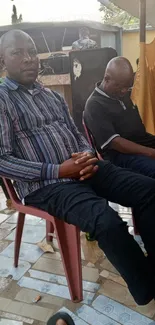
x=131, y=45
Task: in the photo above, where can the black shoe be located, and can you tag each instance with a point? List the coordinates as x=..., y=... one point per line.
x=61, y=315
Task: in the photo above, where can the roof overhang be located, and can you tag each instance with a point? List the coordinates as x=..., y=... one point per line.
x=132, y=7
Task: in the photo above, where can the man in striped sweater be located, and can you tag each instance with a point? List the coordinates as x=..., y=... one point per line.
x=54, y=169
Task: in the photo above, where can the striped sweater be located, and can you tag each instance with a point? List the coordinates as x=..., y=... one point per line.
x=37, y=134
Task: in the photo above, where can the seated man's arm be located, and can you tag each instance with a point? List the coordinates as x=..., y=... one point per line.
x=82, y=142
x=105, y=135
x=19, y=169
x=125, y=146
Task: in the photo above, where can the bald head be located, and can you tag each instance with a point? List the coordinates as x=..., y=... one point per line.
x=120, y=68
x=12, y=37
x=118, y=77
x=19, y=55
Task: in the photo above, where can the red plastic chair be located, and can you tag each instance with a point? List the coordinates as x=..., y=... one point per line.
x=68, y=237
x=92, y=143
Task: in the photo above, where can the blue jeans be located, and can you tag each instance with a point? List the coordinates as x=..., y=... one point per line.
x=136, y=163
x=84, y=204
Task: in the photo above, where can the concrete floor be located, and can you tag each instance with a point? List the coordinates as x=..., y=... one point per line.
x=107, y=300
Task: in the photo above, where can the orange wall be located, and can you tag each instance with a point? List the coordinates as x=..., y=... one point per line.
x=130, y=45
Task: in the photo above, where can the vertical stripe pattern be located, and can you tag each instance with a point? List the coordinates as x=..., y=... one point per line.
x=37, y=134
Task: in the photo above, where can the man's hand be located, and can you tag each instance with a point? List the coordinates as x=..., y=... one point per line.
x=85, y=158
x=78, y=155
x=80, y=166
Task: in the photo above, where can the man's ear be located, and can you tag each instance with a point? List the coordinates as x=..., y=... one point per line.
x=106, y=77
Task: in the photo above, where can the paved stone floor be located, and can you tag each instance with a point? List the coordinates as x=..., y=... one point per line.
x=107, y=300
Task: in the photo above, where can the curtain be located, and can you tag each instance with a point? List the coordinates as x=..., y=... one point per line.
x=143, y=94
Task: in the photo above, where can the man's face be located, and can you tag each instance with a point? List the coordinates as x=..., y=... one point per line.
x=118, y=89
x=21, y=61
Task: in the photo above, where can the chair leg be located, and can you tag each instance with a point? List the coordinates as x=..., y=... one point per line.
x=68, y=237
x=49, y=230
x=19, y=232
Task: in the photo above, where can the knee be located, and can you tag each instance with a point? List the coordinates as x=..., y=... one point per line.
x=110, y=225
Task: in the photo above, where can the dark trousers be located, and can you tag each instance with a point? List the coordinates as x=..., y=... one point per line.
x=85, y=205
x=137, y=163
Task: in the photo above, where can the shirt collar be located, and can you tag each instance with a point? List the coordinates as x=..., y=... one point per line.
x=14, y=85
x=100, y=91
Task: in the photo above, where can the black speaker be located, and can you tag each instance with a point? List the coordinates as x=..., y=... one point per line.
x=86, y=68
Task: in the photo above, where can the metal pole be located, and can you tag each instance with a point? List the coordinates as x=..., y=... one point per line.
x=48, y=49
x=142, y=59
x=143, y=21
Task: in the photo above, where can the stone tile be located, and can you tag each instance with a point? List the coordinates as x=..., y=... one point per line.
x=90, y=265
x=106, y=265
x=92, y=317
x=3, y=217
x=4, y=303
x=131, y=230
x=114, y=277
x=4, y=321
x=82, y=254
x=48, y=266
x=138, y=239
x=117, y=292
x=7, y=269
x=11, y=290
x=53, y=256
x=129, y=221
x=58, y=279
x=55, y=244
x=28, y=296
x=31, y=234
x=16, y=317
x=148, y=310
x=2, y=204
x=3, y=245
x=7, y=226
x=90, y=286
x=13, y=218
x=7, y=211
x=124, y=210
x=126, y=216
x=41, y=222
x=4, y=233
x=76, y=319
x=120, y=313
x=57, y=268
x=52, y=289
x=28, y=252
x=91, y=250
x=31, y=311
x=4, y=282
x=29, y=220
x=90, y=274
x=114, y=206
